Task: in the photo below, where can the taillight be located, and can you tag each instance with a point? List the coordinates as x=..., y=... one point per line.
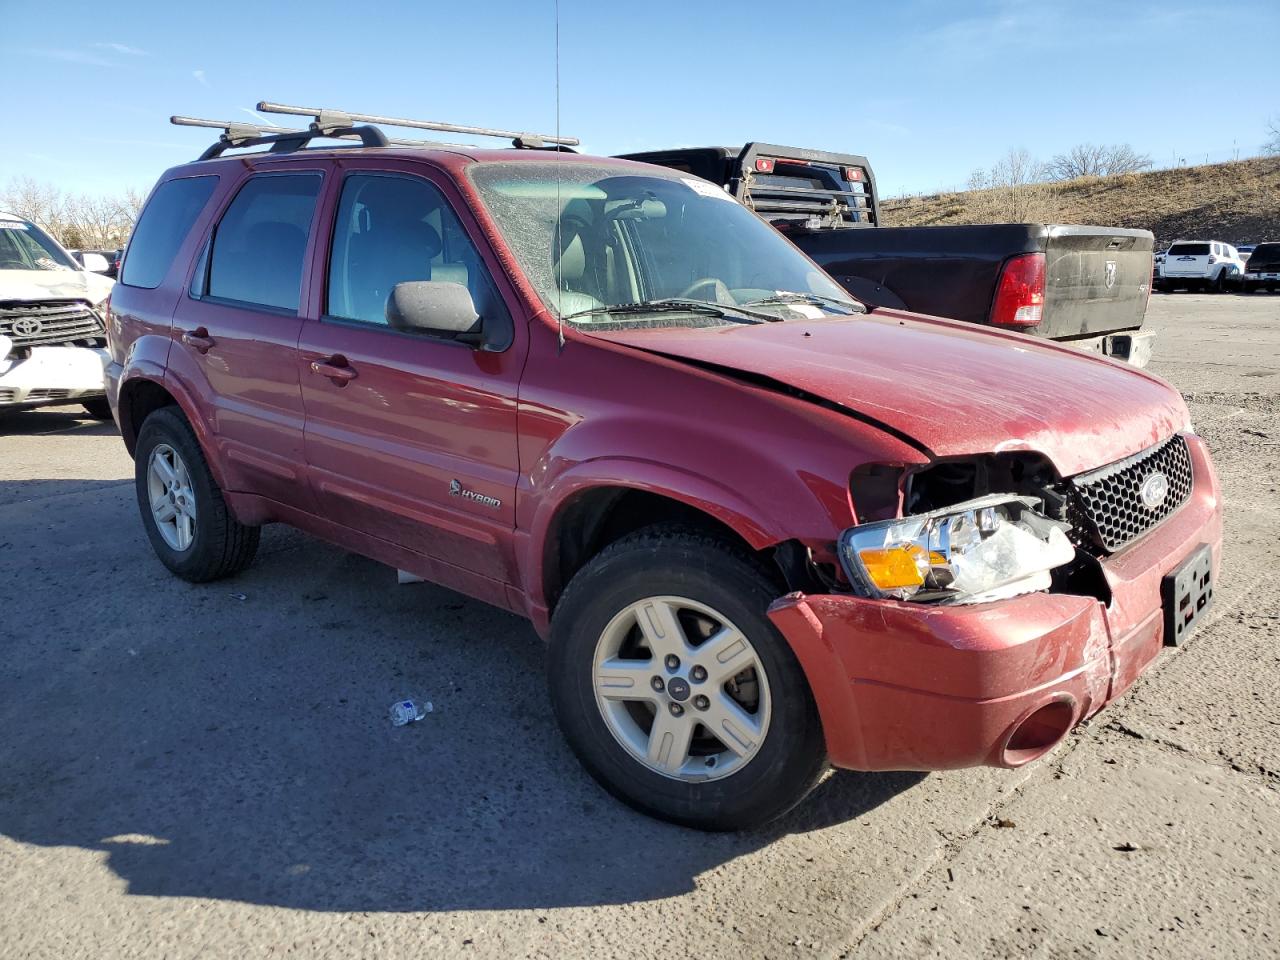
x=852, y=174
x=764, y=165
x=1019, y=299
x=1211, y=259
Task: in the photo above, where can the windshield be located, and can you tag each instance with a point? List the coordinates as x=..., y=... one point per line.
x=670, y=249
x=24, y=246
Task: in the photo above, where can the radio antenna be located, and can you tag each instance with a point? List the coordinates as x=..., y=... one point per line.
x=559, y=271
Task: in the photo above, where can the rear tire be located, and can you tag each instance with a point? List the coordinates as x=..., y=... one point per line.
x=186, y=519
x=708, y=589
x=1220, y=282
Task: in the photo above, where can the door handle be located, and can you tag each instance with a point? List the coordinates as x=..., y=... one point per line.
x=335, y=368
x=198, y=340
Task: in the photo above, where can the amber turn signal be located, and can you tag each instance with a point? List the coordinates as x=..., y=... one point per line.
x=891, y=568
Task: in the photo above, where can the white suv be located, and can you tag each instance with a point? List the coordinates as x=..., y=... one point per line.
x=52, y=335
x=1200, y=264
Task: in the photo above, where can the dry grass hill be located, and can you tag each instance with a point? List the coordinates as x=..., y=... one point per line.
x=1236, y=202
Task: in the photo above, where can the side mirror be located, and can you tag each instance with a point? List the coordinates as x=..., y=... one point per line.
x=440, y=309
x=95, y=263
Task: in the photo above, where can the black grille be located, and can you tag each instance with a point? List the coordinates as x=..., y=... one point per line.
x=51, y=322
x=1111, y=504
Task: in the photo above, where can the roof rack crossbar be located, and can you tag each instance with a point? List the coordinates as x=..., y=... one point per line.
x=323, y=116
x=238, y=134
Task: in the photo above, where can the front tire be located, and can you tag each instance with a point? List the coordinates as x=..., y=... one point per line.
x=97, y=408
x=674, y=688
x=186, y=519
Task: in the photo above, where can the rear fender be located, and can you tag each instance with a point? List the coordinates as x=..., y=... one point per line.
x=147, y=371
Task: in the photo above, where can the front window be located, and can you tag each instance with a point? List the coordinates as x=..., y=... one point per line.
x=24, y=246
x=607, y=247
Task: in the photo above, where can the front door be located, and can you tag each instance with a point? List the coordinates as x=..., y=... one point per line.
x=411, y=438
x=236, y=339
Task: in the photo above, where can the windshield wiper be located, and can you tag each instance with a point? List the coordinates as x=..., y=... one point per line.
x=790, y=296
x=678, y=305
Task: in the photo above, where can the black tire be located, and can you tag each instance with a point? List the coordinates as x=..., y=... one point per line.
x=221, y=546
x=97, y=408
x=1220, y=282
x=679, y=561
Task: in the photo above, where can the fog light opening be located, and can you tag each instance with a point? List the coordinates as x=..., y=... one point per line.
x=1039, y=732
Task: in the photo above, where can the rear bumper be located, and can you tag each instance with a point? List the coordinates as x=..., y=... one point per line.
x=52, y=375
x=912, y=687
x=1134, y=347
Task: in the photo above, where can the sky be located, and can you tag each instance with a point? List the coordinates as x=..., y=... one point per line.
x=928, y=90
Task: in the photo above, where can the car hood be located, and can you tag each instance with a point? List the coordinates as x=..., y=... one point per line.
x=953, y=388
x=36, y=285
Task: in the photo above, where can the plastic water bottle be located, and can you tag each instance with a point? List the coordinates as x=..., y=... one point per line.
x=404, y=712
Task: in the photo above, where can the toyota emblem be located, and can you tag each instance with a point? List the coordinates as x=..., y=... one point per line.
x=1154, y=490
x=27, y=327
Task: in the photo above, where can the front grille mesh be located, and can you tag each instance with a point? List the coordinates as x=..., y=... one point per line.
x=1110, y=499
x=51, y=322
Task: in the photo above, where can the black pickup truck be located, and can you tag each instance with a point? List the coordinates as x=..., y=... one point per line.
x=1087, y=286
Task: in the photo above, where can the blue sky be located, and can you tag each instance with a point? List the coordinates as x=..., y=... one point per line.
x=928, y=90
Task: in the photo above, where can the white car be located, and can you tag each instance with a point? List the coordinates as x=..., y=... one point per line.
x=52, y=334
x=1201, y=265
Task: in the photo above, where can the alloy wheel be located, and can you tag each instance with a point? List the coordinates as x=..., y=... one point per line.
x=681, y=688
x=173, y=501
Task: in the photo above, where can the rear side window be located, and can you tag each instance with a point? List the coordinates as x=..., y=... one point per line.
x=163, y=226
x=1189, y=250
x=260, y=243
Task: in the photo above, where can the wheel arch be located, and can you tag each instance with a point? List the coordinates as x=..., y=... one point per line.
x=592, y=512
x=141, y=396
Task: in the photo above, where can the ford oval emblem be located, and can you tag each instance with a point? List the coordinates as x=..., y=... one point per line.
x=1154, y=490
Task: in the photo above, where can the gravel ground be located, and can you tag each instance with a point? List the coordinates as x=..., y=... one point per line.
x=209, y=771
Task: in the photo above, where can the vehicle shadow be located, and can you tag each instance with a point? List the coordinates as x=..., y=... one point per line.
x=232, y=740
x=44, y=420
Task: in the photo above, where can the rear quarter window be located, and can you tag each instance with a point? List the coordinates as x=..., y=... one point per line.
x=1189, y=250
x=164, y=224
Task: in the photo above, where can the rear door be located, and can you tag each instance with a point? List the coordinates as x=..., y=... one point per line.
x=415, y=442
x=1188, y=260
x=1096, y=281
x=235, y=334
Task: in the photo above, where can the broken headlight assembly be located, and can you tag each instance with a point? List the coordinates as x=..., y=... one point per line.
x=986, y=549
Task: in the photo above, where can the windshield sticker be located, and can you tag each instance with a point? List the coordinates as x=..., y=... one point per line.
x=11, y=225
x=45, y=263
x=705, y=189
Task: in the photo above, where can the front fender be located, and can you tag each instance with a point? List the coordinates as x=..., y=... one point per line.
x=709, y=496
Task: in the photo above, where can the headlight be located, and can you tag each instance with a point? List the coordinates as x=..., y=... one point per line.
x=986, y=549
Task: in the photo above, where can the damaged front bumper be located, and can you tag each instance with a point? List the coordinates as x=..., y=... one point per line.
x=51, y=375
x=911, y=686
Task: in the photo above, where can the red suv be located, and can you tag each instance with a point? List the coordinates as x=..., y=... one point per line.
x=763, y=528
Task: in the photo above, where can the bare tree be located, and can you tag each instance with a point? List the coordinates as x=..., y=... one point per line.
x=1273, y=136
x=40, y=203
x=1090, y=160
x=1011, y=190
x=78, y=221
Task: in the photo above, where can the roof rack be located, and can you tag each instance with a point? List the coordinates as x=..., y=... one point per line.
x=323, y=118
x=236, y=134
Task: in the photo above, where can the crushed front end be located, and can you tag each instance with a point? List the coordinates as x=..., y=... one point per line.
x=934, y=667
